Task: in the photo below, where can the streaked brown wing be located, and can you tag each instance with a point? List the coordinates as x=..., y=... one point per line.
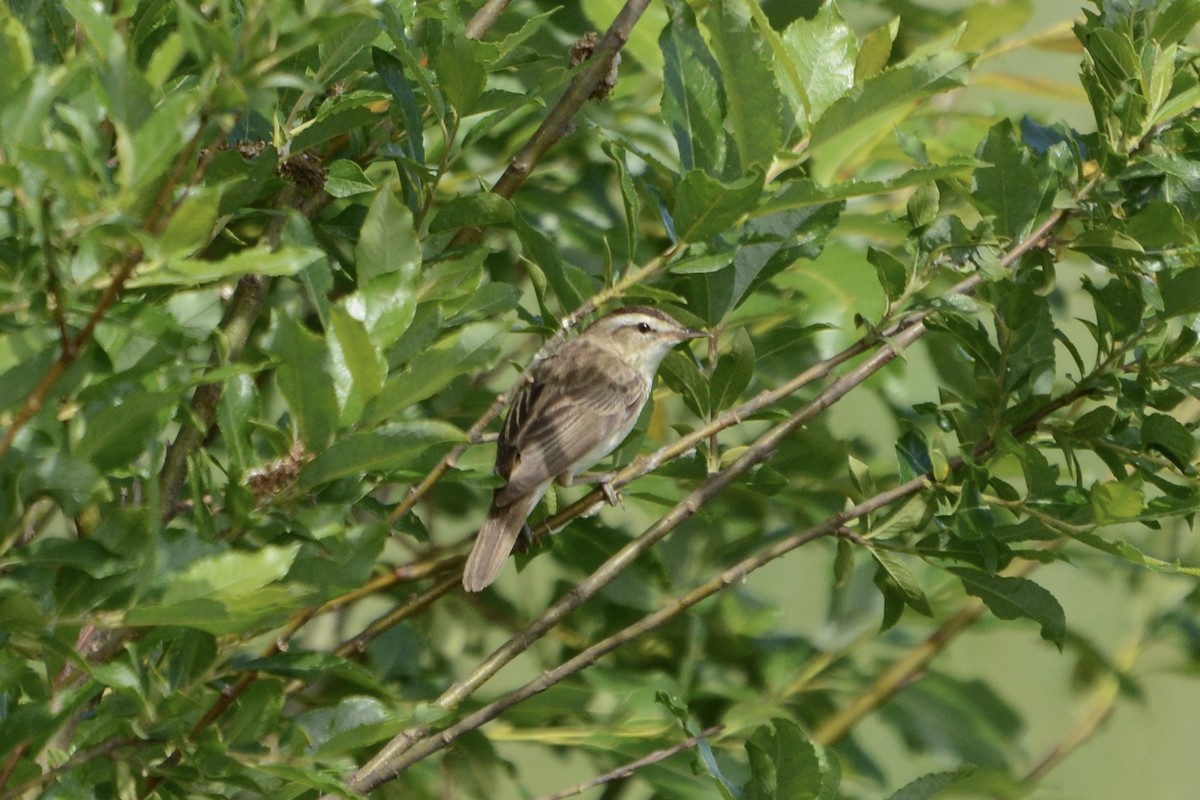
x=571, y=408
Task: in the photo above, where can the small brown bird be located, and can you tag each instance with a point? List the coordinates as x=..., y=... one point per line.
x=579, y=403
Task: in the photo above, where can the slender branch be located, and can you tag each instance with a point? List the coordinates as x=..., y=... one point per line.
x=627, y=770
x=485, y=18
x=74, y=762
x=557, y=123
x=1101, y=705
x=243, y=311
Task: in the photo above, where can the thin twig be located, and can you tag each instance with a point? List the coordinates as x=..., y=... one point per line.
x=557, y=123
x=627, y=770
x=485, y=18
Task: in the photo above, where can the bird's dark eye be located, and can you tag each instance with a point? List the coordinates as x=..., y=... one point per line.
x=644, y=327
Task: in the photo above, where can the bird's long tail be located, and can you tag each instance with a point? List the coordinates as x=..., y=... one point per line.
x=495, y=541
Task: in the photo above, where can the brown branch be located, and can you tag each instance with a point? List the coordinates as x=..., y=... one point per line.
x=243, y=311
x=485, y=18
x=627, y=770
x=557, y=123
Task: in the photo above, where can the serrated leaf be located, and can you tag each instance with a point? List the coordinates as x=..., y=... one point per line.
x=928, y=786
x=193, y=271
x=231, y=576
x=305, y=382
x=473, y=210
x=387, y=242
x=119, y=434
x=755, y=107
x=693, y=103
x=706, y=207
x=1116, y=501
x=785, y=764
x=892, y=273
x=1168, y=436
x=378, y=451
x=346, y=179
x=1013, y=598
x=1016, y=186
x=357, y=365
x=824, y=50
x=900, y=577
x=733, y=373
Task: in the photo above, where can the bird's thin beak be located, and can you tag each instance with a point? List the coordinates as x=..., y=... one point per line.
x=688, y=333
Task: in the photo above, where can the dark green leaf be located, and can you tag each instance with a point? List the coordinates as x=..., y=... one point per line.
x=706, y=207
x=346, y=179
x=1116, y=501
x=120, y=433
x=755, y=107
x=931, y=785
x=893, y=274
x=306, y=383
x=1013, y=598
x=1181, y=292
x=693, y=103
x=1168, y=436
x=387, y=243
x=733, y=373
x=895, y=573
x=1016, y=187
x=474, y=210
x=378, y=451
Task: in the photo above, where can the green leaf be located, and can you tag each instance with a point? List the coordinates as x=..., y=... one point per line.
x=893, y=274
x=392, y=73
x=785, y=765
x=755, y=107
x=147, y=151
x=119, y=434
x=232, y=575
x=1168, y=436
x=1181, y=292
x=693, y=103
x=474, y=210
x=733, y=372
x=683, y=376
x=377, y=452
x=192, y=271
x=893, y=571
x=928, y=786
x=256, y=713
x=357, y=365
x=1017, y=186
x=471, y=348
x=706, y=207
x=869, y=111
x=190, y=227
x=461, y=76
x=305, y=382
x=1116, y=501
x=571, y=284
x=824, y=50
x=346, y=179
x=1012, y=598
x=16, y=53
x=387, y=242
